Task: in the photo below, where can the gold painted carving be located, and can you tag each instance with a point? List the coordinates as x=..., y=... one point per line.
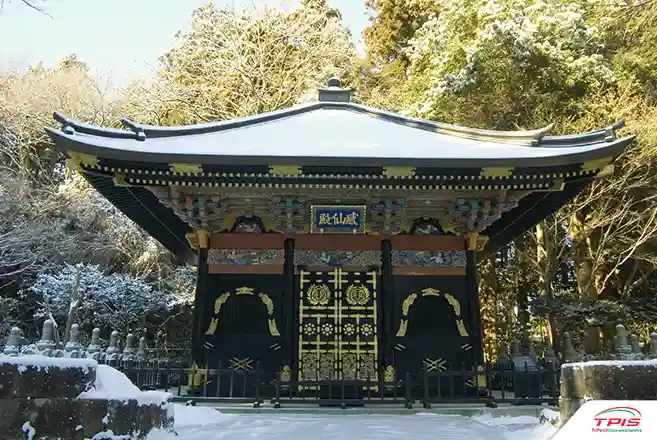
x=318, y=294
x=403, y=327
x=430, y=292
x=410, y=300
x=399, y=171
x=461, y=327
x=237, y=364
x=244, y=291
x=273, y=330
x=286, y=373
x=434, y=364
x=496, y=173
x=456, y=305
x=358, y=295
x=337, y=331
x=223, y=298
x=476, y=242
x=212, y=328
x=185, y=168
x=268, y=303
x=220, y=301
x=196, y=375
x=285, y=170
x=119, y=180
x=389, y=374
x=198, y=239
x=595, y=165
x=76, y=161
x=558, y=185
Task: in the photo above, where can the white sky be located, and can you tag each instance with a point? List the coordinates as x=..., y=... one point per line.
x=121, y=39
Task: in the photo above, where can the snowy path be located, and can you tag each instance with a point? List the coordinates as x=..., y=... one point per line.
x=207, y=424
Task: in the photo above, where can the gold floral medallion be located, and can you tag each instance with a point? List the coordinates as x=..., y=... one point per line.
x=358, y=295
x=319, y=294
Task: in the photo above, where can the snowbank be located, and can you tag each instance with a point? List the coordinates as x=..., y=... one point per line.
x=111, y=384
x=198, y=416
x=550, y=416
x=45, y=362
x=619, y=364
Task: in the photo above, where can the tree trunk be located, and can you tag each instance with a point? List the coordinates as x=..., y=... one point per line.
x=74, y=304
x=584, y=275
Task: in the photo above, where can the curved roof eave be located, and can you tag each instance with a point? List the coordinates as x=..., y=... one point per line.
x=516, y=156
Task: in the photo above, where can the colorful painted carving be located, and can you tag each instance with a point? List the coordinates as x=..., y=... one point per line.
x=246, y=256
x=475, y=215
x=337, y=258
x=429, y=258
x=385, y=216
x=427, y=226
x=288, y=214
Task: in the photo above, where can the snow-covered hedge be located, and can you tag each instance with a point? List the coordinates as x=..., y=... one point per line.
x=109, y=301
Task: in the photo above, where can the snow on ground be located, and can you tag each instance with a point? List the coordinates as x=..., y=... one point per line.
x=205, y=423
x=199, y=423
x=45, y=362
x=112, y=384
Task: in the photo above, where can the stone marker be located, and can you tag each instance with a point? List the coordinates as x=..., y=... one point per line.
x=73, y=348
x=636, y=348
x=12, y=347
x=605, y=380
x=94, y=351
x=141, y=350
x=46, y=345
x=653, y=345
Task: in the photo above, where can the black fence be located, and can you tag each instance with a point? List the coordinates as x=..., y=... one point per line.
x=490, y=385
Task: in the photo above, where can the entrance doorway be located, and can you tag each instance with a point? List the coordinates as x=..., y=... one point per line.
x=338, y=333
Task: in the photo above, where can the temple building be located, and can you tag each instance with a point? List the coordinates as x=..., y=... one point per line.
x=334, y=239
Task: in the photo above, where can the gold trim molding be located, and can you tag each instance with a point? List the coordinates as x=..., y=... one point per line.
x=185, y=168
x=398, y=171
x=595, y=165
x=76, y=161
x=496, y=173
x=285, y=170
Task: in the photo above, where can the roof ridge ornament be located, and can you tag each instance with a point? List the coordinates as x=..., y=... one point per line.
x=333, y=92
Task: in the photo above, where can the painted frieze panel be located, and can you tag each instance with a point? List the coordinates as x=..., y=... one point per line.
x=337, y=258
x=246, y=256
x=429, y=258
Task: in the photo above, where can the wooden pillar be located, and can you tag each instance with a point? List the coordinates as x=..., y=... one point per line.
x=289, y=303
x=474, y=318
x=387, y=302
x=199, y=302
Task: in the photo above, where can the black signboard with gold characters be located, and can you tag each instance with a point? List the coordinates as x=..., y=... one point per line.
x=242, y=327
x=338, y=314
x=431, y=327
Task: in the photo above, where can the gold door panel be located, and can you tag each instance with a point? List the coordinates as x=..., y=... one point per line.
x=337, y=325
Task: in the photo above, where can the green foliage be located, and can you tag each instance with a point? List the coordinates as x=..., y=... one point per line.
x=238, y=63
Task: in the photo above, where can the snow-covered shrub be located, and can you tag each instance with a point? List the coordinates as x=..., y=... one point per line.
x=109, y=301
